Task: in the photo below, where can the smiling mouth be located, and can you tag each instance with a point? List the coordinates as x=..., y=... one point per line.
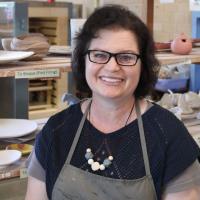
x=111, y=79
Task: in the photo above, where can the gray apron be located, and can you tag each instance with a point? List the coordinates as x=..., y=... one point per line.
x=76, y=184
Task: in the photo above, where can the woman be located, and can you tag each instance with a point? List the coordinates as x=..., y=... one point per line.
x=101, y=148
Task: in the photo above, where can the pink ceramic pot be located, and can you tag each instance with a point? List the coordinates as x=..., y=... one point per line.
x=181, y=45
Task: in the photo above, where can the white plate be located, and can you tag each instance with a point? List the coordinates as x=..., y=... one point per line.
x=8, y=157
x=8, y=56
x=10, y=128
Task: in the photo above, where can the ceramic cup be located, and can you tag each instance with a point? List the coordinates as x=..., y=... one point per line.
x=6, y=43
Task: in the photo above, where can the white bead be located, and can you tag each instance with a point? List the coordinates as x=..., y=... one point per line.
x=95, y=166
x=88, y=150
x=110, y=158
x=102, y=167
x=90, y=161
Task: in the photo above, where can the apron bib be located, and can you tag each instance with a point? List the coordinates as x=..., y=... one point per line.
x=76, y=184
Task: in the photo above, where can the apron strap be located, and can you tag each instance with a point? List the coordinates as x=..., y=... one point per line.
x=78, y=133
x=142, y=139
x=144, y=146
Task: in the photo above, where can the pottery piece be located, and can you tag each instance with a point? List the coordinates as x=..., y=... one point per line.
x=181, y=45
x=35, y=42
x=6, y=43
x=182, y=104
x=166, y=101
x=192, y=99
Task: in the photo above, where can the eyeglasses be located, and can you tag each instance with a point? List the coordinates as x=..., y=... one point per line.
x=103, y=57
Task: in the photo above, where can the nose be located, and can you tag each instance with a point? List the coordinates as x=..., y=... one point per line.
x=112, y=65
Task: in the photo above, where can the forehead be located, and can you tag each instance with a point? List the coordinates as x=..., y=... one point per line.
x=115, y=40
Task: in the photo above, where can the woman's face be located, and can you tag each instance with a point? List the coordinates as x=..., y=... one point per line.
x=112, y=80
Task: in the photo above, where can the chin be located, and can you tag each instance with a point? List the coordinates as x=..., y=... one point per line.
x=111, y=95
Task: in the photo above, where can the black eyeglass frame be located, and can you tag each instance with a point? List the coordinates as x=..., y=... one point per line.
x=112, y=55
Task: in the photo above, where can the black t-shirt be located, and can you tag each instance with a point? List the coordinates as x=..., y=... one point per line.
x=171, y=148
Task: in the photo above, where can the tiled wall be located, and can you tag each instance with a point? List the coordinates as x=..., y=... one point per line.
x=171, y=19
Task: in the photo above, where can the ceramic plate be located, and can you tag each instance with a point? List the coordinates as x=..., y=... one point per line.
x=12, y=128
x=8, y=157
x=9, y=56
x=24, y=148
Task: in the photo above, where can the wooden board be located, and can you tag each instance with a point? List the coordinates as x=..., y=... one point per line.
x=169, y=58
x=62, y=63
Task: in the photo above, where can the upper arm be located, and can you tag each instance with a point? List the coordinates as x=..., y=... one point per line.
x=36, y=189
x=185, y=186
x=180, y=151
x=192, y=193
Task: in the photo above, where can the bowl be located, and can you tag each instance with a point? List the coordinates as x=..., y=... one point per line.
x=8, y=157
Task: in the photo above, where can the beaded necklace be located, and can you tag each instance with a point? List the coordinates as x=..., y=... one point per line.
x=95, y=165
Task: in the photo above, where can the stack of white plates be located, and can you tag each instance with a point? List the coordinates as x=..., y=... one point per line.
x=14, y=129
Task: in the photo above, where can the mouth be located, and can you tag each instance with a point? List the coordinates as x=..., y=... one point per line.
x=111, y=80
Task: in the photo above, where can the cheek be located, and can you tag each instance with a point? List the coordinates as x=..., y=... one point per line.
x=134, y=77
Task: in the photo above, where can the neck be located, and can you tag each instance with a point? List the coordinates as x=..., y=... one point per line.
x=109, y=117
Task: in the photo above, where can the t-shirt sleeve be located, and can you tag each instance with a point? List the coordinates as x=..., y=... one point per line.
x=34, y=167
x=42, y=143
x=181, y=150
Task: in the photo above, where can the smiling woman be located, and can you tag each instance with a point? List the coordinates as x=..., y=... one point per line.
x=108, y=76
x=116, y=144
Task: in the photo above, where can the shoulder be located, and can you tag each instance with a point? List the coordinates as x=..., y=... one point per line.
x=58, y=129
x=166, y=126
x=67, y=117
x=164, y=119
x=69, y=114
x=157, y=110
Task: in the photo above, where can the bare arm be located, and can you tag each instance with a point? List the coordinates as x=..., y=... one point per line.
x=193, y=193
x=36, y=189
x=186, y=186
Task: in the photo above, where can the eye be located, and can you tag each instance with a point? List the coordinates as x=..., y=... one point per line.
x=100, y=55
x=126, y=57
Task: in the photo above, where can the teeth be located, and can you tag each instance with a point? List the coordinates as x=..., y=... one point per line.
x=113, y=80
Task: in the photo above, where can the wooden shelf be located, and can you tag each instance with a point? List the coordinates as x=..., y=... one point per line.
x=54, y=28
x=170, y=58
x=40, y=88
x=61, y=63
x=39, y=107
x=38, y=114
x=56, y=86
x=45, y=96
